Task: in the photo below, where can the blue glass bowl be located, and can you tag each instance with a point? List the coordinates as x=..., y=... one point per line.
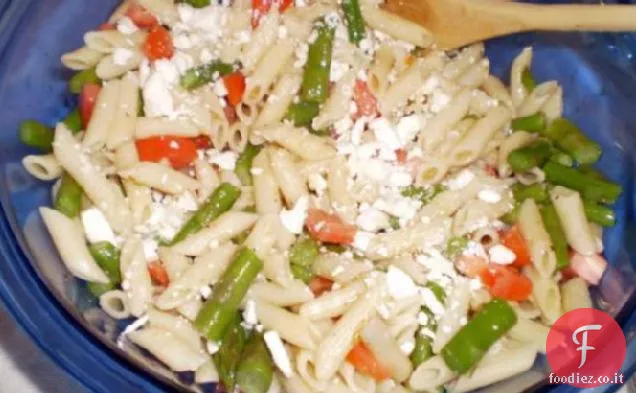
x=598, y=73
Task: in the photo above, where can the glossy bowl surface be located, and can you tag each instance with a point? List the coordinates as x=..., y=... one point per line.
x=598, y=74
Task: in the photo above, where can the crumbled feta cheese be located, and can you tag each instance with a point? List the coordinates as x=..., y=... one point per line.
x=157, y=92
x=400, y=284
x=475, y=284
x=186, y=201
x=461, y=180
x=317, y=183
x=439, y=100
x=121, y=56
x=430, y=300
x=407, y=346
x=501, y=255
x=205, y=292
x=219, y=88
x=279, y=352
x=294, y=220
x=423, y=318
x=338, y=70
x=96, y=226
x=205, y=56
x=213, y=347
x=126, y=26
x=249, y=313
x=372, y=220
x=397, y=205
x=361, y=240
x=150, y=246
x=225, y=160
x=385, y=134
x=489, y=195
x=408, y=127
x=400, y=179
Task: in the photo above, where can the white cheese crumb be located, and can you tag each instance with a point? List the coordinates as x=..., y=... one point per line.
x=121, y=56
x=372, y=220
x=219, y=88
x=408, y=127
x=205, y=292
x=400, y=284
x=225, y=160
x=407, y=346
x=489, y=195
x=294, y=220
x=461, y=180
x=96, y=226
x=278, y=352
x=501, y=255
x=150, y=246
x=400, y=179
x=249, y=313
x=430, y=300
x=213, y=347
x=361, y=240
x=385, y=134
x=126, y=26
x=317, y=183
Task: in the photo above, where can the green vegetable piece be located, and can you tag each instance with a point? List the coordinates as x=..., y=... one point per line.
x=562, y=158
x=218, y=203
x=107, y=257
x=394, y=222
x=532, y=123
x=511, y=217
x=68, y=199
x=303, y=112
x=140, y=106
x=337, y=248
x=98, y=289
x=571, y=139
x=473, y=340
x=535, y=154
x=228, y=358
x=202, y=75
x=423, y=194
x=256, y=369
x=423, y=350
x=599, y=214
x=35, y=134
x=241, y=237
x=528, y=81
x=355, y=23
x=304, y=252
x=553, y=226
x=455, y=246
x=197, y=3
x=216, y=314
x=73, y=121
x=82, y=78
x=301, y=273
x=315, y=85
x=437, y=290
x=591, y=172
x=594, y=190
x=535, y=191
x=243, y=168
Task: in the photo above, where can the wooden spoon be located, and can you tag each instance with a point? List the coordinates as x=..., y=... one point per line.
x=456, y=23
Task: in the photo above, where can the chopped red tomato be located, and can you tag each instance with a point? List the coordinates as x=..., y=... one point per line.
x=507, y=283
x=158, y=44
x=364, y=360
x=513, y=240
x=260, y=8
x=329, y=228
x=107, y=26
x=87, y=100
x=141, y=16
x=235, y=86
x=401, y=156
x=320, y=285
x=230, y=114
x=366, y=103
x=158, y=274
x=491, y=170
x=181, y=152
x=471, y=265
x=202, y=142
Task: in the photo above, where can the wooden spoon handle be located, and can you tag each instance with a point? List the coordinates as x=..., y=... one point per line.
x=569, y=17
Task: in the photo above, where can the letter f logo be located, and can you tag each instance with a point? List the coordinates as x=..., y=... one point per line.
x=583, y=346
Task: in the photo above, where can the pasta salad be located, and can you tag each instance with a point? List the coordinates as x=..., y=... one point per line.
x=311, y=197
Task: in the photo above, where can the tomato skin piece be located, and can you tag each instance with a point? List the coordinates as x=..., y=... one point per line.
x=181, y=152
x=158, y=44
x=401, y=156
x=509, y=284
x=87, y=100
x=320, y=285
x=364, y=360
x=202, y=142
x=514, y=241
x=260, y=8
x=107, y=26
x=158, y=274
x=328, y=228
x=235, y=86
x=283, y=5
x=141, y=17
x=366, y=103
x=230, y=114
